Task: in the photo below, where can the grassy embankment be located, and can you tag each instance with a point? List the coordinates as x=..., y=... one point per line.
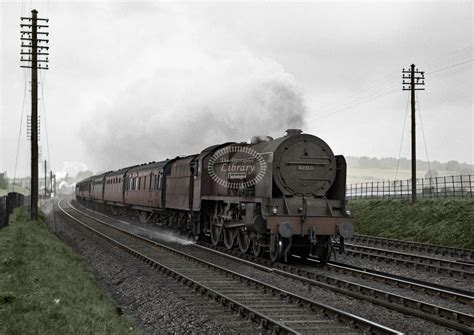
x=446, y=222
x=46, y=289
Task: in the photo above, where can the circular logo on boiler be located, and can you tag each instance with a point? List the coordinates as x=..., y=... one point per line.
x=236, y=167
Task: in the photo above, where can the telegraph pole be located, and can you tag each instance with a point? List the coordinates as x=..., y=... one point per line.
x=417, y=78
x=30, y=41
x=50, y=183
x=45, y=179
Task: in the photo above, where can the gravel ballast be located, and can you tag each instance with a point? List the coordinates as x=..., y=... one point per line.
x=364, y=309
x=153, y=301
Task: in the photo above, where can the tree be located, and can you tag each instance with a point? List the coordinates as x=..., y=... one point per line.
x=466, y=171
x=364, y=162
x=453, y=166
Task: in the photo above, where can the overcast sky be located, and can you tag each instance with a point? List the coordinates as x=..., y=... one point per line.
x=134, y=82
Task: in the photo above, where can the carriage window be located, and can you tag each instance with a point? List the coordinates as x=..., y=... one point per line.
x=160, y=180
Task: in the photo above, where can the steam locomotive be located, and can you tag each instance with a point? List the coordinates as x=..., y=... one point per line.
x=282, y=196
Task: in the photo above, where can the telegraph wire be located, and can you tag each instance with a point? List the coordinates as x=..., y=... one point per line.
x=403, y=135
x=42, y=81
x=355, y=103
x=19, y=131
x=424, y=138
x=450, y=66
x=438, y=66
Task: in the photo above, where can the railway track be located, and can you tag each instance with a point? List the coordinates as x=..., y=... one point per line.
x=437, y=290
x=429, y=264
x=452, y=294
x=462, y=254
x=277, y=310
x=444, y=316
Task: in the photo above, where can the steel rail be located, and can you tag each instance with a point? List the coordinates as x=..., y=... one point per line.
x=440, y=315
x=346, y=318
x=414, y=261
x=444, y=316
x=413, y=246
x=203, y=289
x=435, y=290
x=454, y=294
x=450, y=293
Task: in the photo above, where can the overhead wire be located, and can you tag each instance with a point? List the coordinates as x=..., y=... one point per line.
x=42, y=81
x=403, y=135
x=424, y=138
x=20, y=127
x=460, y=57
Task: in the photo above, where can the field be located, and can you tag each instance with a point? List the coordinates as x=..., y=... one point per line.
x=46, y=289
x=358, y=175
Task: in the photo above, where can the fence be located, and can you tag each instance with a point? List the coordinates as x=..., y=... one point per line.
x=438, y=187
x=8, y=203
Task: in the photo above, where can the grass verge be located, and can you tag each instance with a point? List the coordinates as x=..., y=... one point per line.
x=447, y=222
x=46, y=289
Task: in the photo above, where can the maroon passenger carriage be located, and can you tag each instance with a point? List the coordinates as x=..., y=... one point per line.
x=282, y=196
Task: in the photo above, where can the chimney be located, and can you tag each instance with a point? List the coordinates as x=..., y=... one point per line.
x=291, y=132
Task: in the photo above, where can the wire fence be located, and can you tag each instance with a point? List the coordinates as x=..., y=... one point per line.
x=438, y=187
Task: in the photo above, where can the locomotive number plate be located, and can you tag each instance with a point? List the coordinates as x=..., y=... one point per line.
x=305, y=168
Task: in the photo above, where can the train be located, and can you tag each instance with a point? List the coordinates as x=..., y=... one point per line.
x=276, y=197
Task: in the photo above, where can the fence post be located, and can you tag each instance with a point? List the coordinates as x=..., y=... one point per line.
x=431, y=187
x=437, y=188
x=409, y=187
x=462, y=188
x=445, y=188
x=454, y=186
x=470, y=185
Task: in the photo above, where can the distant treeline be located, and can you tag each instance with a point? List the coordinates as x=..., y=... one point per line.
x=365, y=162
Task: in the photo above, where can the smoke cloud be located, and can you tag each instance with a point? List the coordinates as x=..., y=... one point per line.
x=194, y=94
